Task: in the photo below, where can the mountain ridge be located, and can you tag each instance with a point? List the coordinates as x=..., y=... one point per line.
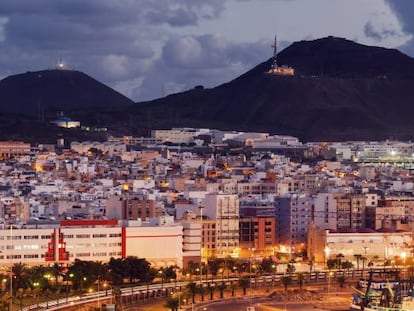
x=342, y=90
x=350, y=99
x=56, y=90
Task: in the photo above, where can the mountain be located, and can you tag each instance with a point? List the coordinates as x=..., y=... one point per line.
x=46, y=92
x=341, y=90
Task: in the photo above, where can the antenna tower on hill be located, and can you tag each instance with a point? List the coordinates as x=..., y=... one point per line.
x=283, y=70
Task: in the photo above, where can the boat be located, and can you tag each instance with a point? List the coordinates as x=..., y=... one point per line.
x=383, y=291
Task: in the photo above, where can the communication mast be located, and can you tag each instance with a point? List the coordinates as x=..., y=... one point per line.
x=60, y=65
x=274, y=60
x=283, y=70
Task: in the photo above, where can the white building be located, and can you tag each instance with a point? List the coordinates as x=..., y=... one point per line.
x=224, y=209
x=98, y=240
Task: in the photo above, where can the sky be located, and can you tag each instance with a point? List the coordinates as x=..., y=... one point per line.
x=147, y=49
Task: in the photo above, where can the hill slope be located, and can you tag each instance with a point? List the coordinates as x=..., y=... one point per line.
x=53, y=90
x=342, y=90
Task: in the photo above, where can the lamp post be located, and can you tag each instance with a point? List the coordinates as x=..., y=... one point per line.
x=99, y=294
x=161, y=273
x=329, y=281
x=274, y=274
x=67, y=285
x=327, y=251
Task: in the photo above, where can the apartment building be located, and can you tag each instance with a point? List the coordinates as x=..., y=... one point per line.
x=257, y=233
x=293, y=215
x=223, y=211
x=10, y=149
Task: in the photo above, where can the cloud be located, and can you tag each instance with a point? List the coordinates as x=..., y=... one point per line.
x=3, y=22
x=378, y=34
x=113, y=41
x=403, y=9
x=207, y=60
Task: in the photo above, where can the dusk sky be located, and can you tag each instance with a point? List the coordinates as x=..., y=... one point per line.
x=149, y=48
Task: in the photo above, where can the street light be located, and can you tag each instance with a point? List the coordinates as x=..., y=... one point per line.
x=327, y=251
x=99, y=294
x=329, y=280
x=67, y=285
x=160, y=272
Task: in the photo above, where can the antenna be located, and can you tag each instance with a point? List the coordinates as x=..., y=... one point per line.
x=274, y=46
x=60, y=65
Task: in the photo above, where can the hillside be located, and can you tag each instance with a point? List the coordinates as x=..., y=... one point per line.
x=341, y=90
x=49, y=91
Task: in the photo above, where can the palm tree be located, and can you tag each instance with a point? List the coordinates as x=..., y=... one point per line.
x=341, y=280
x=213, y=265
x=233, y=287
x=192, y=266
x=57, y=271
x=339, y=260
x=20, y=276
x=36, y=294
x=173, y=303
x=286, y=280
x=222, y=288
x=364, y=259
x=4, y=302
x=201, y=290
x=301, y=277
x=244, y=282
x=347, y=265
x=211, y=289
x=20, y=295
x=192, y=287
x=358, y=258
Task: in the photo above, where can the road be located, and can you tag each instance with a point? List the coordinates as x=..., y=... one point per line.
x=334, y=301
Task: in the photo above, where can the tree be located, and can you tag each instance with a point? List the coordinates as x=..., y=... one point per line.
x=290, y=269
x=170, y=273
x=300, y=277
x=20, y=295
x=222, y=287
x=286, y=280
x=331, y=263
x=267, y=265
x=20, y=276
x=4, y=301
x=173, y=303
x=36, y=294
x=347, y=265
x=357, y=258
x=232, y=287
x=192, y=266
x=201, y=290
x=214, y=265
x=364, y=259
x=57, y=271
x=341, y=280
x=230, y=264
x=339, y=258
x=192, y=287
x=244, y=282
x=117, y=268
x=211, y=289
